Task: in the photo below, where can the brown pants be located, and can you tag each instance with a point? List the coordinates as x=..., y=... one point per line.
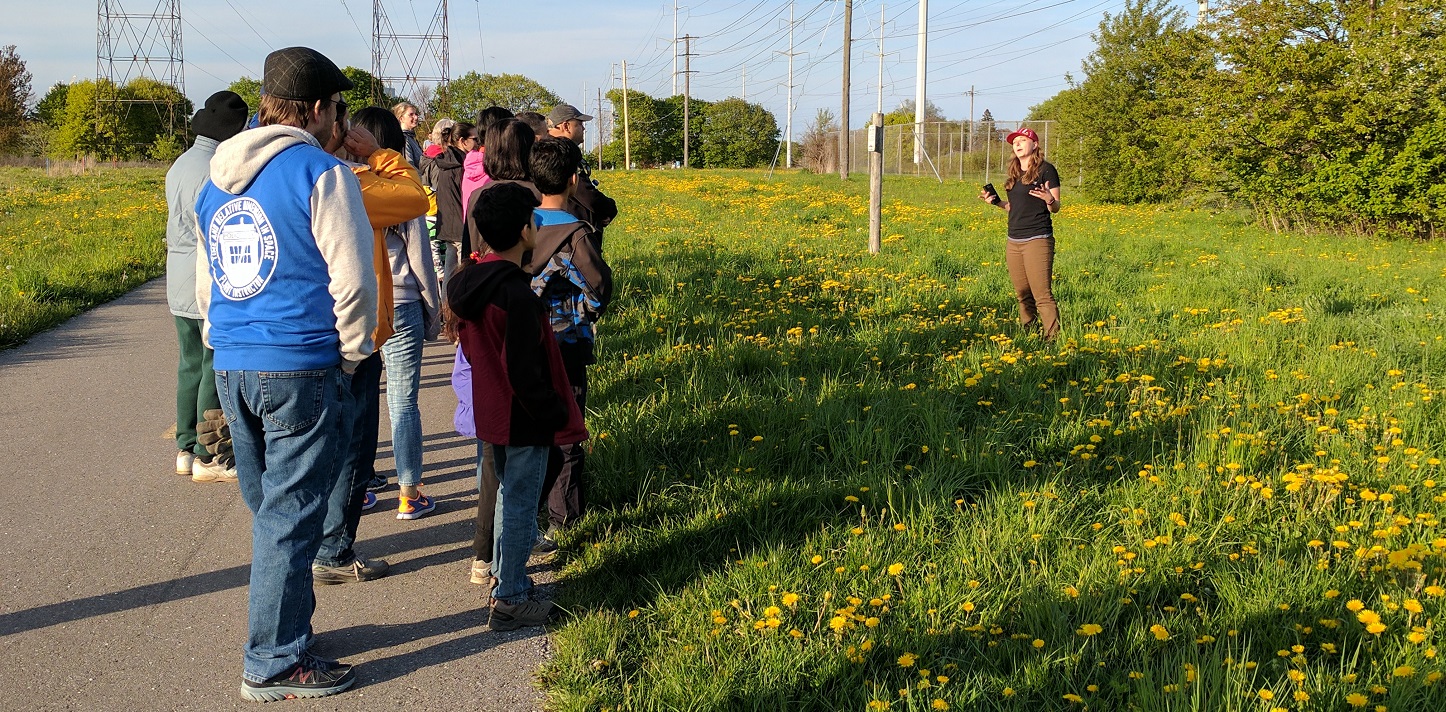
x=1031, y=269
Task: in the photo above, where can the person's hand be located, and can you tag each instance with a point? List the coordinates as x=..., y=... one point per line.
x=360, y=142
x=986, y=197
x=1042, y=192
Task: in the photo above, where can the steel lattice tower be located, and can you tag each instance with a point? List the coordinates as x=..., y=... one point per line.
x=408, y=61
x=131, y=46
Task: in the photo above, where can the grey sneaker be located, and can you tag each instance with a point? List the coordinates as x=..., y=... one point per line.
x=357, y=571
x=482, y=574
x=212, y=472
x=507, y=616
x=547, y=542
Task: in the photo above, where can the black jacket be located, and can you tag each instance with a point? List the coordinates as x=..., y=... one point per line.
x=444, y=175
x=589, y=205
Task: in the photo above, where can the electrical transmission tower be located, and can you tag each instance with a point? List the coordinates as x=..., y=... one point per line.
x=130, y=46
x=412, y=64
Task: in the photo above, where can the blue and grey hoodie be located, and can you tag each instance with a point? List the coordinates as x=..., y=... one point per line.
x=288, y=249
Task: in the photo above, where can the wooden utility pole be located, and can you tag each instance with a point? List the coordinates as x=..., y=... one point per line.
x=843, y=134
x=687, y=93
x=627, y=137
x=876, y=182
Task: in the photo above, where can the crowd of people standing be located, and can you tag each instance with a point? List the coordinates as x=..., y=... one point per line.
x=322, y=248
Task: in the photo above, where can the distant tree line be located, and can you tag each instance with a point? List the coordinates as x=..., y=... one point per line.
x=731, y=133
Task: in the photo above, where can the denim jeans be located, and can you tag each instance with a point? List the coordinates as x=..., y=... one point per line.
x=344, y=504
x=286, y=429
x=520, y=471
x=402, y=354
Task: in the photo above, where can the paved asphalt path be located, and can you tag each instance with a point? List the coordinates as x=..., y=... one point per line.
x=123, y=586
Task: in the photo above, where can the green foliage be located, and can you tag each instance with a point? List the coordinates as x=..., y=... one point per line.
x=904, y=113
x=466, y=96
x=366, y=90
x=50, y=110
x=250, y=92
x=728, y=133
x=14, y=98
x=106, y=121
x=653, y=130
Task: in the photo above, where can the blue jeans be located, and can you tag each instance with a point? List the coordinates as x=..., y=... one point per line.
x=403, y=356
x=344, y=504
x=286, y=428
x=520, y=472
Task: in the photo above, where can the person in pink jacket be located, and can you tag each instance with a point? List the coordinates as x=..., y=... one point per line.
x=474, y=174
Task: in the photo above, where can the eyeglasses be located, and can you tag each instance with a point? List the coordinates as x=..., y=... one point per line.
x=340, y=107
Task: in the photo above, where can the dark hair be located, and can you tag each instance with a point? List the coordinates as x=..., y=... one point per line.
x=459, y=132
x=486, y=118
x=553, y=163
x=382, y=124
x=509, y=142
x=537, y=121
x=501, y=212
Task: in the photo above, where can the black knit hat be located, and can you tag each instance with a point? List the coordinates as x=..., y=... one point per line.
x=301, y=73
x=223, y=116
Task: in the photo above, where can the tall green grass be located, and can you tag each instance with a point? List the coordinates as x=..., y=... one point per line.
x=71, y=242
x=825, y=480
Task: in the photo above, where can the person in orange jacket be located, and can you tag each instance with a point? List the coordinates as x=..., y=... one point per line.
x=395, y=200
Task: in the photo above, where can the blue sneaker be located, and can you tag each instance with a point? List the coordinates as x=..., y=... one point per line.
x=369, y=501
x=408, y=508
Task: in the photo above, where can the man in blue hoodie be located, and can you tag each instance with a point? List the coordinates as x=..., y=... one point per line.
x=292, y=304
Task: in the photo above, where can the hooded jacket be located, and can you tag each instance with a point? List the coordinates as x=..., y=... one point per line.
x=290, y=285
x=393, y=196
x=443, y=172
x=520, y=392
x=569, y=274
x=183, y=184
x=474, y=174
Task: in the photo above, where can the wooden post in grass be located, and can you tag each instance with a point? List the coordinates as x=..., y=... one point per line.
x=876, y=181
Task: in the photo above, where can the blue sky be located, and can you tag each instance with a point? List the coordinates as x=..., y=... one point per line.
x=1014, y=54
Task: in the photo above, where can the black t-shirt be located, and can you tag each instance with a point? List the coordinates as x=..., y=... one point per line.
x=1028, y=215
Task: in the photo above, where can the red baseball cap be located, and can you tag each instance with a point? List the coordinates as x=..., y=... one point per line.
x=1025, y=132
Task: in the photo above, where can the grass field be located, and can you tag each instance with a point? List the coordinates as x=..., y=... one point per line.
x=69, y=243
x=823, y=480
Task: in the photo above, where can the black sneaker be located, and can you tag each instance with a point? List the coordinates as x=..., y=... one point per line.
x=377, y=483
x=507, y=616
x=309, y=678
x=357, y=571
x=547, y=543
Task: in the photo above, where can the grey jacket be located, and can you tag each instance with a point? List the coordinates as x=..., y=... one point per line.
x=183, y=183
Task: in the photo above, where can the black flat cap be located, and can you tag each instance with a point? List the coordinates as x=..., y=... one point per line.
x=223, y=116
x=302, y=73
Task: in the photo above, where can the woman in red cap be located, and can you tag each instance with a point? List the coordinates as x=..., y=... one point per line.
x=1033, y=191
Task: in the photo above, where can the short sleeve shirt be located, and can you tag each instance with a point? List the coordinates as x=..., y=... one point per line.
x=1028, y=215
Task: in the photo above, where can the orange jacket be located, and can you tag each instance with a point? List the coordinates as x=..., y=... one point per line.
x=392, y=193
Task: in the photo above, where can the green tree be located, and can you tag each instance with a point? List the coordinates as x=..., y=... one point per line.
x=14, y=98
x=467, y=95
x=737, y=134
x=367, y=90
x=50, y=110
x=653, y=130
x=672, y=143
x=250, y=92
x=145, y=118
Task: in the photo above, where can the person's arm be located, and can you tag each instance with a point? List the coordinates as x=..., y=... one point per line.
x=1049, y=194
x=993, y=199
x=590, y=272
x=344, y=238
x=391, y=189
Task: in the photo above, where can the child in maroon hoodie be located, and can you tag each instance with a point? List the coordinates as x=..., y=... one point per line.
x=522, y=401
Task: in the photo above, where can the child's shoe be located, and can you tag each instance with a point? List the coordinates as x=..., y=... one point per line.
x=369, y=500
x=409, y=508
x=508, y=616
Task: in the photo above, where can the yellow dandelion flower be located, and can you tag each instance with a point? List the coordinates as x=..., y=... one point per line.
x=790, y=599
x=1037, y=643
x=1159, y=632
x=1265, y=694
x=1355, y=605
x=1356, y=699
x=907, y=660
x=1074, y=698
x=1403, y=671
x=896, y=569
x=1089, y=629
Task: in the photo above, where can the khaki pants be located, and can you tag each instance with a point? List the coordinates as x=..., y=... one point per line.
x=1031, y=268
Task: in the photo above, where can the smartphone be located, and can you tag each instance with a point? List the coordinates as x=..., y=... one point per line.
x=989, y=188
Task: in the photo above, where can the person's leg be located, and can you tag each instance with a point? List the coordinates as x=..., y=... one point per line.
x=285, y=429
x=206, y=397
x=344, y=502
x=403, y=356
x=482, y=541
x=449, y=260
x=190, y=380
x=565, y=488
x=1014, y=257
x=439, y=257
x=1039, y=266
x=520, y=471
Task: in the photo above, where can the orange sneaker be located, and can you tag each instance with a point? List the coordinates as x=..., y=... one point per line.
x=408, y=508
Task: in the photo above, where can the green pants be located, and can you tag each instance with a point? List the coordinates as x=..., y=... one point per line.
x=195, y=386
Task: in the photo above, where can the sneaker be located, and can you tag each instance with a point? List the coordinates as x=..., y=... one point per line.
x=183, y=462
x=309, y=678
x=482, y=574
x=508, y=616
x=357, y=571
x=212, y=472
x=377, y=483
x=369, y=501
x=408, y=508
x=547, y=542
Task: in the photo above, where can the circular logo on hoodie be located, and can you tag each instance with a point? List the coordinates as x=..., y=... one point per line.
x=242, y=248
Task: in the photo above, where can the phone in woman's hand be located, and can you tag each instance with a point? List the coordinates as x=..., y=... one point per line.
x=989, y=188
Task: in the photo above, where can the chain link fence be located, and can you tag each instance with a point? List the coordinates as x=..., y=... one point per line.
x=956, y=150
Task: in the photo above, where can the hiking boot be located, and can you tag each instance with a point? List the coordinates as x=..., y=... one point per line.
x=409, y=508
x=508, y=616
x=212, y=471
x=357, y=571
x=184, y=461
x=547, y=542
x=377, y=483
x=309, y=678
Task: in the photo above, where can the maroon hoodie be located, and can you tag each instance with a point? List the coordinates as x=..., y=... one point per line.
x=520, y=392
